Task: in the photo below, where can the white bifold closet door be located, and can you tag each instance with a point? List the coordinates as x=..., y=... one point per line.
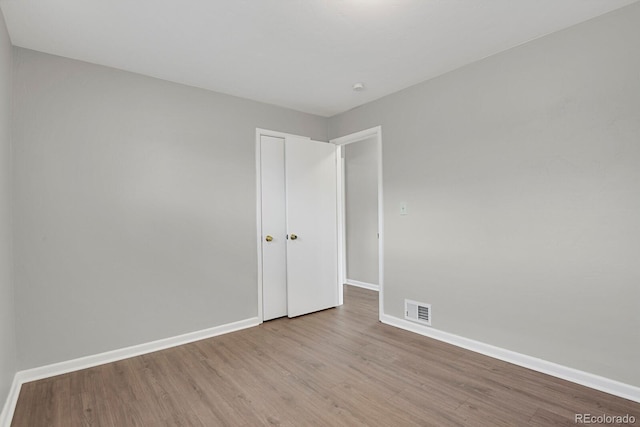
x=312, y=207
x=301, y=182
x=274, y=227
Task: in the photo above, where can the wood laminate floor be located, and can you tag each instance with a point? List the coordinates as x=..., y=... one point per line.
x=338, y=367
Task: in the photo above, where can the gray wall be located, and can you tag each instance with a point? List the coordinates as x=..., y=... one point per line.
x=361, y=210
x=7, y=330
x=522, y=178
x=134, y=206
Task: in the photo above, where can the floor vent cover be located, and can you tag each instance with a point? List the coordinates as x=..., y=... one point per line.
x=417, y=312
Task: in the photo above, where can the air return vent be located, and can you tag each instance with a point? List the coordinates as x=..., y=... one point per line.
x=417, y=312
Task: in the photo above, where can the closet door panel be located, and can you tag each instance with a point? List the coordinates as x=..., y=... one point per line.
x=312, y=226
x=274, y=250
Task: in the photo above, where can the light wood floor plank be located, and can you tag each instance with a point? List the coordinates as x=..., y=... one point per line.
x=338, y=367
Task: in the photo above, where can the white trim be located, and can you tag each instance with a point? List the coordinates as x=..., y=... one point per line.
x=587, y=379
x=357, y=136
x=135, y=350
x=259, y=219
x=360, y=284
x=342, y=268
x=6, y=416
x=342, y=237
x=54, y=369
x=260, y=132
x=276, y=134
x=380, y=227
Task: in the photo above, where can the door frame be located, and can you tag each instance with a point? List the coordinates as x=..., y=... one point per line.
x=259, y=133
x=342, y=238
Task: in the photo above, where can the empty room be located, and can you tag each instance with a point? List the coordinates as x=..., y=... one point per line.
x=322, y=212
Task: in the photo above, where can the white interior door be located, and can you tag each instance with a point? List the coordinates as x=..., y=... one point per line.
x=274, y=257
x=311, y=212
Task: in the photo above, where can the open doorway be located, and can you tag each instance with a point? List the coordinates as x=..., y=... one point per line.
x=360, y=210
x=361, y=213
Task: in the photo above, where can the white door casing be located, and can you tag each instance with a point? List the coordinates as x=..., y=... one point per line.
x=340, y=142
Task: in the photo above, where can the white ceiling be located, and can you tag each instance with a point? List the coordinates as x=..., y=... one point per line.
x=301, y=54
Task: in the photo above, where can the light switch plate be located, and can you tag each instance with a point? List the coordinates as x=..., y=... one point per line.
x=403, y=209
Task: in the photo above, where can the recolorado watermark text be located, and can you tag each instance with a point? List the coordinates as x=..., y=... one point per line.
x=604, y=419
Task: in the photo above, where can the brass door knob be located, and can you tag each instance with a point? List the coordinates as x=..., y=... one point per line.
x=293, y=237
x=268, y=238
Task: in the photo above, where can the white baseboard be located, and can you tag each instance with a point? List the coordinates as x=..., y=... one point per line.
x=10, y=404
x=360, y=284
x=47, y=371
x=587, y=379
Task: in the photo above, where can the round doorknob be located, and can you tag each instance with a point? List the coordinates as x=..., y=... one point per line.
x=268, y=238
x=293, y=237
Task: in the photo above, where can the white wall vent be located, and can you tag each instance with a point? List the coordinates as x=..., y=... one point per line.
x=417, y=312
